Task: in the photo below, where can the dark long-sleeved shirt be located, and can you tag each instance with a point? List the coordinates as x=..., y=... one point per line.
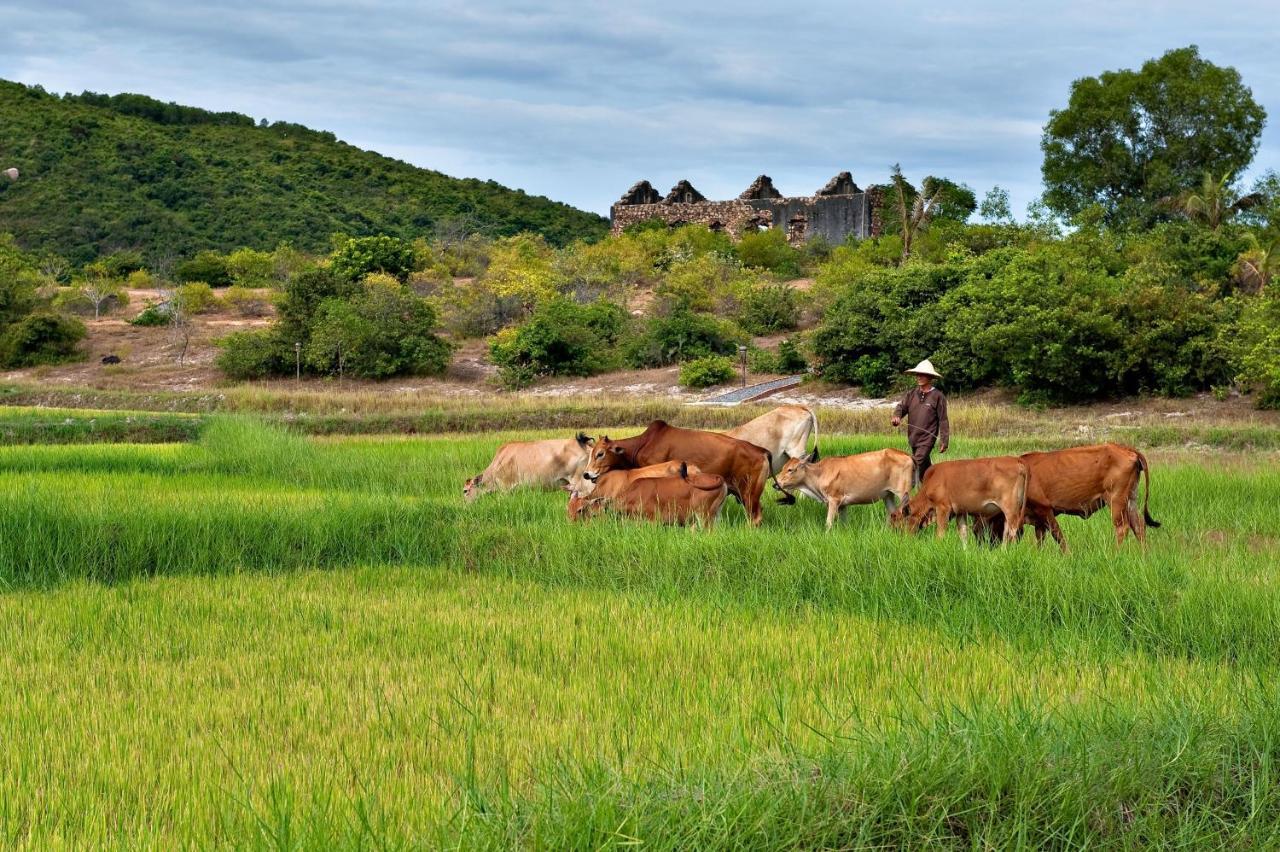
x=926, y=417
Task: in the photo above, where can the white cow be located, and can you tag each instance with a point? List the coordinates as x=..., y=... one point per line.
x=557, y=463
x=784, y=432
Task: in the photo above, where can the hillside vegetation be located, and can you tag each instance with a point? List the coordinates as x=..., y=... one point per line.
x=103, y=173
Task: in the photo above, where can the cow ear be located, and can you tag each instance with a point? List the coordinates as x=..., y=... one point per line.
x=617, y=450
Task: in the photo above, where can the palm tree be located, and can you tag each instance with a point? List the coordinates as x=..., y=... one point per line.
x=1215, y=202
x=1255, y=267
x=916, y=212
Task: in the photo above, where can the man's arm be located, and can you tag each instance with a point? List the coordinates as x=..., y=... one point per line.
x=900, y=410
x=944, y=425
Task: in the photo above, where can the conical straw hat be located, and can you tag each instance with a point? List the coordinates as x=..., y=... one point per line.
x=924, y=368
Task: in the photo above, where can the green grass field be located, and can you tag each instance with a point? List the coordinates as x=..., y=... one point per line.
x=264, y=640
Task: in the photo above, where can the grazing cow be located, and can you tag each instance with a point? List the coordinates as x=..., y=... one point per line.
x=970, y=488
x=784, y=432
x=547, y=464
x=856, y=480
x=1081, y=480
x=745, y=467
x=676, y=499
x=613, y=483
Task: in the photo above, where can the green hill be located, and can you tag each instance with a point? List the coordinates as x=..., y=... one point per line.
x=100, y=173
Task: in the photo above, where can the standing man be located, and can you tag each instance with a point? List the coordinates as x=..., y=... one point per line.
x=926, y=411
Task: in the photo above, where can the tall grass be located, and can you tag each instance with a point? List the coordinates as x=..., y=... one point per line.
x=490, y=676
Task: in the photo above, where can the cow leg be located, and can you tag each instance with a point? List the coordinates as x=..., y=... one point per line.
x=891, y=503
x=942, y=517
x=1052, y=520
x=1136, y=522
x=963, y=522
x=1119, y=510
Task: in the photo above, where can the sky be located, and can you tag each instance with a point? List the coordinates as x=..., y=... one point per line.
x=577, y=101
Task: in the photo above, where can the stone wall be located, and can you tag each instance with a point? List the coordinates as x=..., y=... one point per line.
x=826, y=214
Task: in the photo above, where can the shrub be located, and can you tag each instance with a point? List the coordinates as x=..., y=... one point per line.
x=769, y=307
x=681, y=336
x=154, y=314
x=196, y=298
x=763, y=361
x=1254, y=340
x=40, y=338
x=561, y=338
x=383, y=330
x=357, y=257
x=706, y=371
x=255, y=355
x=251, y=268
x=245, y=302
x=697, y=284
x=769, y=250
x=207, y=266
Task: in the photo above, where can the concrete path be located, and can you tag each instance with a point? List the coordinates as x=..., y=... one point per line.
x=751, y=392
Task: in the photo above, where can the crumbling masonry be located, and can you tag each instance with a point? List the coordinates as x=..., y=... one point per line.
x=835, y=212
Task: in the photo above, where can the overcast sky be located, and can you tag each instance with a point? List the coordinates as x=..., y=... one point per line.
x=577, y=101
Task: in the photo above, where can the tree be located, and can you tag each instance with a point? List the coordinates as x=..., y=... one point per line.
x=97, y=291
x=1127, y=139
x=995, y=206
x=915, y=209
x=1256, y=267
x=1215, y=201
x=357, y=257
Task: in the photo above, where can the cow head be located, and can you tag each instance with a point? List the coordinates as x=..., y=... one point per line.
x=580, y=508
x=911, y=517
x=605, y=456
x=471, y=488
x=793, y=473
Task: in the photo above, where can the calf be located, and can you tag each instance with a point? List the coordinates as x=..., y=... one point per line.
x=675, y=499
x=611, y=484
x=974, y=487
x=856, y=480
x=546, y=464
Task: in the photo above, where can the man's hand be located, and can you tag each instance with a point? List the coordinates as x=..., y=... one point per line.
x=895, y=421
x=942, y=448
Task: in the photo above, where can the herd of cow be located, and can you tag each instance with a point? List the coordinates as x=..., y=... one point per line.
x=681, y=476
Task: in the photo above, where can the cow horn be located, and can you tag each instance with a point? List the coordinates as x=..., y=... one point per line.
x=813, y=456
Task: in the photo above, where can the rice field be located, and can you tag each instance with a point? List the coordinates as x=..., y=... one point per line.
x=268, y=641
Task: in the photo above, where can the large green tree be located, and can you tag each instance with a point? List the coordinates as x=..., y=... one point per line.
x=1128, y=139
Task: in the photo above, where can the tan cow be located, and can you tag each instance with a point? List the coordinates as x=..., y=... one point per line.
x=677, y=499
x=1081, y=480
x=969, y=488
x=784, y=432
x=555, y=463
x=855, y=480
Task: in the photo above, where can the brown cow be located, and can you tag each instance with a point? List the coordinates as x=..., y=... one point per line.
x=675, y=499
x=1081, y=480
x=548, y=464
x=973, y=487
x=745, y=467
x=784, y=432
x=855, y=480
x=613, y=483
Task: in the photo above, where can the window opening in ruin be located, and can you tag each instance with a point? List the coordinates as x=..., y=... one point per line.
x=796, y=228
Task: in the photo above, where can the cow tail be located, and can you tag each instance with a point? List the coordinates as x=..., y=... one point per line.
x=1020, y=493
x=1145, y=469
x=813, y=421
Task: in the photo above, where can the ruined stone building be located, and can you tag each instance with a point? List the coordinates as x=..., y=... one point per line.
x=834, y=212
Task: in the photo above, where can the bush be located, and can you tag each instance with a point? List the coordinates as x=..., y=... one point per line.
x=40, y=338
x=769, y=307
x=245, y=302
x=207, y=266
x=1254, y=341
x=681, y=336
x=196, y=298
x=697, y=284
x=255, y=355
x=357, y=257
x=785, y=361
x=154, y=314
x=560, y=338
x=383, y=330
x=706, y=372
x=769, y=250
